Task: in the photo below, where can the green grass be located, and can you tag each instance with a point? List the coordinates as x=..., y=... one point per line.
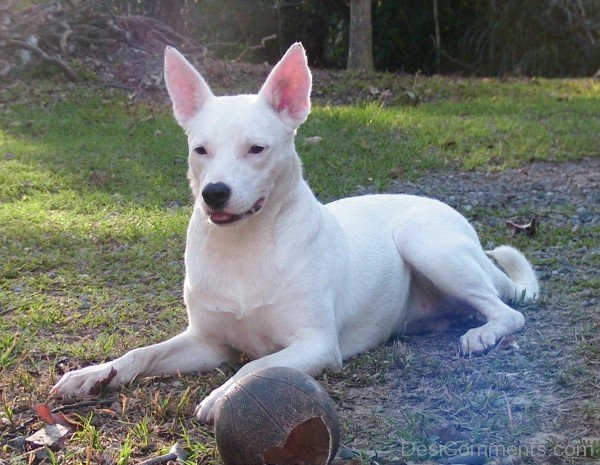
x=96, y=184
x=94, y=204
x=496, y=126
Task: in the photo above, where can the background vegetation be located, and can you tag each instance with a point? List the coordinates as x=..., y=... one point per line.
x=482, y=37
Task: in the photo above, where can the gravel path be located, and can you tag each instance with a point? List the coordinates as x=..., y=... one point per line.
x=537, y=187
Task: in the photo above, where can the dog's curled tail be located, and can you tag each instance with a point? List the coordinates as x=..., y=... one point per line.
x=523, y=285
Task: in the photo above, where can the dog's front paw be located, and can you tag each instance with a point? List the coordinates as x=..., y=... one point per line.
x=87, y=381
x=477, y=341
x=205, y=412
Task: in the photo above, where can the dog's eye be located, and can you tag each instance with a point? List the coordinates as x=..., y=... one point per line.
x=256, y=149
x=200, y=150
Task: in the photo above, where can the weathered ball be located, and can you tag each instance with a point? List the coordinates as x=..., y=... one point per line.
x=277, y=416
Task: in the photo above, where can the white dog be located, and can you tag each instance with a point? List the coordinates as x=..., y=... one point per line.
x=274, y=274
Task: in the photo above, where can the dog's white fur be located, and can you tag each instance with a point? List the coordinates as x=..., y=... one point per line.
x=298, y=283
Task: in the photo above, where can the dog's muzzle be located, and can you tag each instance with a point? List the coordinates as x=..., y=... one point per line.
x=222, y=217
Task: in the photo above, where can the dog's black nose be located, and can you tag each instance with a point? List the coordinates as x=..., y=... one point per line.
x=216, y=194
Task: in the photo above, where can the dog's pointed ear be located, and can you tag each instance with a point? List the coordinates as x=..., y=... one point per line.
x=186, y=87
x=287, y=89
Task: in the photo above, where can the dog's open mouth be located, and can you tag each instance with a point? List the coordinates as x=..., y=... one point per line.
x=221, y=218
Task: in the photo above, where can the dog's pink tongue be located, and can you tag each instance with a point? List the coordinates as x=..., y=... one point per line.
x=220, y=216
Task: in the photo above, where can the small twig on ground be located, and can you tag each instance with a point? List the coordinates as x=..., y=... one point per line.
x=84, y=404
x=28, y=453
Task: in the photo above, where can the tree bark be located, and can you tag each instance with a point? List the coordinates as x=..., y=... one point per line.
x=360, y=44
x=438, y=44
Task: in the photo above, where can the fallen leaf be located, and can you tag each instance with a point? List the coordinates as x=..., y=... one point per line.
x=530, y=229
x=107, y=411
x=58, y=418
x=44, y=412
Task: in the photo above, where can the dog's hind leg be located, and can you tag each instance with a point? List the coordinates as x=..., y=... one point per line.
x=452, y=260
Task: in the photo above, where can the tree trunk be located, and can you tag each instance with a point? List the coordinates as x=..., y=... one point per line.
x=360, y=45
x=438, y=44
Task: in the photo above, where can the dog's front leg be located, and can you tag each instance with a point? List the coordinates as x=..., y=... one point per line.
x=184, y=353
x=311, y=355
